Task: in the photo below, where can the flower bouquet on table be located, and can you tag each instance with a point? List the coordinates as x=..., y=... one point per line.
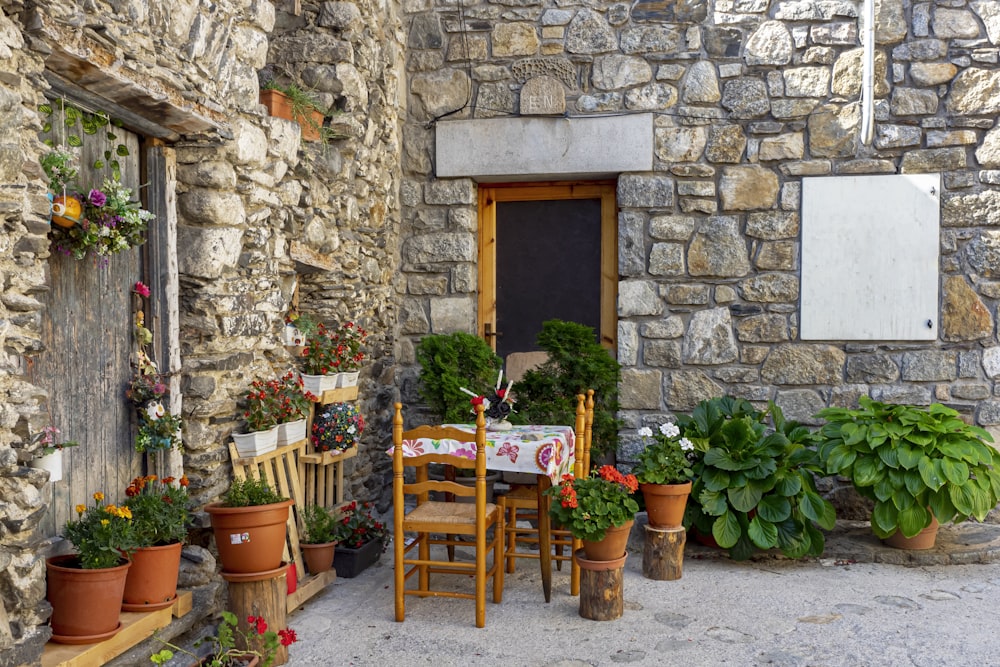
x=338, y=427
x=664, y=472
x=232, y=645
x=497, y=404
x=592, y=507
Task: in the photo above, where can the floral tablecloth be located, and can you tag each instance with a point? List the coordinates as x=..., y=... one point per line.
x=548, y=450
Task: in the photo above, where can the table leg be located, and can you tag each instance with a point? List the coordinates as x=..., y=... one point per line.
x=545, y=535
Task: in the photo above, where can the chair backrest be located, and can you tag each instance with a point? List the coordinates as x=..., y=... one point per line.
x=422, y=485
x=584, y=432
x=588, y=433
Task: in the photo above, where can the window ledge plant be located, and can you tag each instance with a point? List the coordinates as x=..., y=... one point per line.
x=913, y=462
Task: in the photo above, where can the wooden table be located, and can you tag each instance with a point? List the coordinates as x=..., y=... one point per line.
x=549, y=452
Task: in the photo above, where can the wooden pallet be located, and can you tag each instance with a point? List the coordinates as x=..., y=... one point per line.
x=322, y=475
x=136, y=628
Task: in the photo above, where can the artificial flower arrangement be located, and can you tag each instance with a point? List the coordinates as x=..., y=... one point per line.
x=338, y=427
x=46, y=439
x=497, y=404
x=668, y=459
x=357, y=527
x=588, y=506
x=232, y=646
x=158, y=429
x=161, y=510
x=327, y=351
x=103, y=534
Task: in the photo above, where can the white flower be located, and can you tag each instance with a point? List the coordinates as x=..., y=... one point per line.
x=351, y=430
x=685, y=444
x=645, y=431
x=155, y=411
x=669, y=429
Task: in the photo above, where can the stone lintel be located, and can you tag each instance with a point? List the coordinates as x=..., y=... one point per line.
x=516, y=149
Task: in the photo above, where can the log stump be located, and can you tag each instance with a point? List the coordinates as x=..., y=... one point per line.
x=261, y=594
x=601, y=593
x=663, y=553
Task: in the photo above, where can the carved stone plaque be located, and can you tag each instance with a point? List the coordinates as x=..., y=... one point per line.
x=543, y=95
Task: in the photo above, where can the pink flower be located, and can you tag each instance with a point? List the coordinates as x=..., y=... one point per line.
x=97, y=198
x=141, y=289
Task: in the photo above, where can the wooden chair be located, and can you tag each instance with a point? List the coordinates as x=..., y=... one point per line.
x=522, y=505
x=441, y=523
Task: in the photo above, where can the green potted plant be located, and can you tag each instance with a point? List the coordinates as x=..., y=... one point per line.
x=161, y=517
x=337, y=427
x=361, y=539
x=249, y=526
x=921, y=466
x=292, y=103
x=48, y=456
x=754, y=487
x=576, y=362
x=321, y=355
x=85, y=588
x=294, y=403
x=318, y=539
x=664, y=474
x=598, y=509
x=264, y=407
x=449, y=362
x=231, y=645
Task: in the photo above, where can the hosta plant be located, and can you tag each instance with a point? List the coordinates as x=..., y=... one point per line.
x=754, y=486
x=912, y=461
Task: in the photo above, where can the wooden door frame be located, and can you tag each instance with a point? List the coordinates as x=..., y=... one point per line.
x=491, y=193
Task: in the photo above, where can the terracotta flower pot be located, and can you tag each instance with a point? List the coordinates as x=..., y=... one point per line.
x=665, y=503
x=249, y=539
x=86, y=604
x=925, y=539
x=152, y=580
x=319, y=557
x=612, y=546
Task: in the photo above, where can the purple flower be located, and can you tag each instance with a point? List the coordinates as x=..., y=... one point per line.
x=97, y=198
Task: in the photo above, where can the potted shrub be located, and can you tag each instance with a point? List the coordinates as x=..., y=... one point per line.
x=576, y=362
x=85, y=589
x=337, y=427
x=664, y=475
x=231, y=645
x=249, y=526
x=598, y=509
x=361, y=539
x=753, y=487
x=160, y=515
x=449, y=362
x=921, y=466
x=318, y=539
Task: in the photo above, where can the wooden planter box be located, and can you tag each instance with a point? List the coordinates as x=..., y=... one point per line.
x=279, y=106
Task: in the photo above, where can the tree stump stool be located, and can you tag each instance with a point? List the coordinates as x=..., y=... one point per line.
x=261, y=594
x=663, y=553
x=601, y=595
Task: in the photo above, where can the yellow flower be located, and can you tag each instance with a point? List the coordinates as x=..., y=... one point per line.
x=80, y=509
x=98, y=496
x=104, y=522
x=111, y=509
x=125, y=512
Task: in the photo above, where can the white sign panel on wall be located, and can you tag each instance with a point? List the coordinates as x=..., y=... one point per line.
x=870, y=257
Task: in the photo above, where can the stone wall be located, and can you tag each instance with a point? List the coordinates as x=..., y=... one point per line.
x=748, y=98
x=258, y=211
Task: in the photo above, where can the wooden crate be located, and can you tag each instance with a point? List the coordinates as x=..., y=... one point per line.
x=322, y=473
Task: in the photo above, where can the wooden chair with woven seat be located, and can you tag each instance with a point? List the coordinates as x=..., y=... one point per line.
x=442, y=523
x=522, y=505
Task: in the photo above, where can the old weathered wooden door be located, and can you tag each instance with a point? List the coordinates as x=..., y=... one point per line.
x=88, y=348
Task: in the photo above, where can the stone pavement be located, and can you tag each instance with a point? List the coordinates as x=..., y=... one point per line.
x=861, y=604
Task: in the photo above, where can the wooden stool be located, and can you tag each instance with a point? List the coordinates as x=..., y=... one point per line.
x=260, y=594
x=601, y=590
x=663, y=553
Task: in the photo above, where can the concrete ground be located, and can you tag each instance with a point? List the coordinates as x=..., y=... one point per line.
x=861, y=604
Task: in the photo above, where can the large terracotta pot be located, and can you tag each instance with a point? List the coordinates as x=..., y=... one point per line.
x=665, y=503
x=249, y=539
x=86, y=604
x=152, y=580
x=319, y=557
x=925, y=539
x=612, y=546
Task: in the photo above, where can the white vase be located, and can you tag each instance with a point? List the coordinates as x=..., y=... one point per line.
x=256, y=443
x=51, y=462
x=290, y=432
x=348, y=379
x=317, y=384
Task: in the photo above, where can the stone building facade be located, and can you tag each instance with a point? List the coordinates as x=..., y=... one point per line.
x=743, y=99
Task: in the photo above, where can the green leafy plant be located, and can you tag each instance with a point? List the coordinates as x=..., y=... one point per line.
x=59, y=164
x=576, y=362
x=102, y=534
x=449, y=362
x=587, y=507
x=65, y=121
x=161, y=511
x=326, y=350
x=912, y=462
x=754, y=487
x=357, y=526
x=320, y=523
x=250, y=492
x=231, y=645
x=667, y=460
